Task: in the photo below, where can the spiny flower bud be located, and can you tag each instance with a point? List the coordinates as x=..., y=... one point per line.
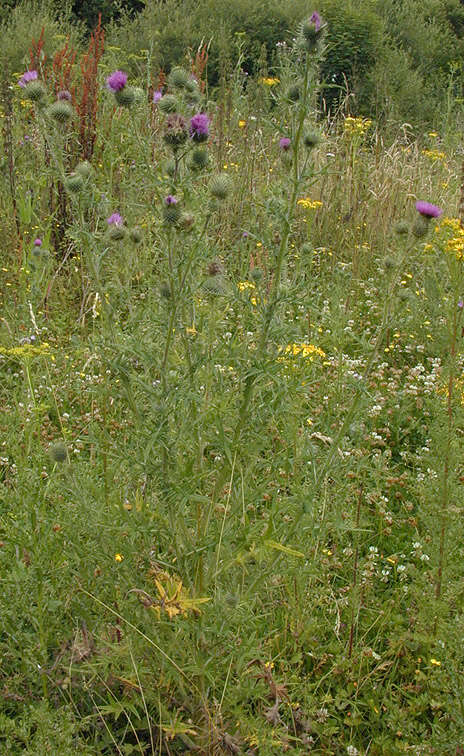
x=74, y=183
x=64, y=94
x=215, y=268
x=421, y=226
x=61, y=111
x=214, y=285
x=170, y=167
x=186, y=221
x=135, y=235
x=175, y=130
x=178, y=77
x=84, y=169
x=199, y=159
x=34, y=91
x=256, y=275
x=311, y=139
x=168, y=104
x=125, y=97
x=220, y=186
x=311, y=31
x=58, y=452
x=116, y=233
x=402, y=228
x=171, y=210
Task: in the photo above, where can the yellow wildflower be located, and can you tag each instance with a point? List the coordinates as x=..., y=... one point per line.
x=304, y=350
x=435, y=662
x=308, y=204
x=118, y=557
x=244, y=285
x=269, y=81
x=241, y=124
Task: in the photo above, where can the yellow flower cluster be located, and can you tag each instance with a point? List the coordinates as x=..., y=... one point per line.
x=304, y=350
x=356, y=126
x=269, y=81
x=25, y=350
x=244, y=285
x=434, y=155
x=309, y=204
x=451, y=235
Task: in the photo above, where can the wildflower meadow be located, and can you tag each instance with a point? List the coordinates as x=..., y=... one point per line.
x=232, y=394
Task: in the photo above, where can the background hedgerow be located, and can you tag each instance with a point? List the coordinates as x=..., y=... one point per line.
x=232, y=395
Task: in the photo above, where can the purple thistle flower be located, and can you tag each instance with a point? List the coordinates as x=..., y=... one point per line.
x=428, y=210
x=157, y=96
x=285, y=143
x=171, y=200
x=115, y=220
x=37, y=242
x=27, y=77
x=64, y=94
x=316, y=20
x=116, y=81
x=199, y=127
x=460, y=304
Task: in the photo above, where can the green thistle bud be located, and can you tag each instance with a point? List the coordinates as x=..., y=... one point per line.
x=172, y=214
x=390, y=263
x=139, y=95
x=199, y=159
x=61, y=111
x=192, y=86
x=175, y=130
x=294, y=93
x=421, y=226
x=74, y=183
x=220, y=186
x=58, y=452
x=125, y=97
x=402, y=228
x=135, y=235
x=116, y=233
x=168, y=104
x=311, y=139
x=214, y=285
x=84, y=169
x=186, y=221
x=34, y=91
x=194, y=98
x=178, y=78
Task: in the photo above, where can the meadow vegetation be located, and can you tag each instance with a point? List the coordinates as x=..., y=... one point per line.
x=231, y=321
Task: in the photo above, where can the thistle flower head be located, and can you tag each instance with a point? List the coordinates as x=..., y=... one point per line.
x=168, y=103
x=157, y=96
x=115, y=220
x=175, y=130
x=27, y=77
x=64, y=94
x=116, y=81
x=74, y=183
x=316, y=20
x=125, y=97
x=171, y=210
x=37, y=242
x=199, y=127
x=428, y=210
x=285, y=143
x=171, y=200
x=178, y=77
x=61, y=111
x=220, y=186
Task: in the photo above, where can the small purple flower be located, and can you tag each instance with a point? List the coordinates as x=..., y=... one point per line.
x=316, y=20
x=428, y=210
x=171, y=200
x=157, y=96
x=115, y=220
x=37, y=242
x=285, y=143
x=199, y=127
x=64, y=94
x=27, y=77
x=116, y=81
x=245, y=235
x=460, y=304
